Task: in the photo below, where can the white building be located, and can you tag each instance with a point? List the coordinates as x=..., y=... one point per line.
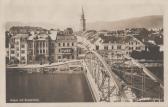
x=114, y=47
x=66, y=48
x=18, y=48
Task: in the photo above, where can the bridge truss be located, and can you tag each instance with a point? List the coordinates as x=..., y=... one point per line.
x=126, y=81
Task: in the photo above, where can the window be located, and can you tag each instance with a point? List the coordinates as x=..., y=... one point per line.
x=12, y=51
x=43, y=51
x=59, y=57
x=67, y=44
x=59, y=44
x=36, y=44
x=63, y=44
x=30, y=58
x=137, y=48
x=30, y=45
x=119, y=47
x=43, y=44
x=64, y=56
x=17, y=49
x=22, y=58
x=17, y=54
x=52, y=44
x=72, y=44
x=17, y=43
x=129, y=48
x=105, y=47
x=30, y=51
x=22, y=51
x=97, y=47
x=112, y=47
x=40, y=51
x=22, y=46
x=12, y=46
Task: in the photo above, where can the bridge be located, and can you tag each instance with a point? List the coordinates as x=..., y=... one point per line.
x=108, y=83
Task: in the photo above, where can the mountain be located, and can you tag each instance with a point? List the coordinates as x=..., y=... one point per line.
x=154, y=21
x=43, y=25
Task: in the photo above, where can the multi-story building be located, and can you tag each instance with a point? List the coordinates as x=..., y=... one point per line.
x=66, y=47
x=40, y=48
x=18, y=49
x=115, y=47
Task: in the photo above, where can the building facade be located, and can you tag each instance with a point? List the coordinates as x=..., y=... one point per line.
x=66, y=47
x=18, y=49
x=55, y=46
x=38, y=49
x=114, y=47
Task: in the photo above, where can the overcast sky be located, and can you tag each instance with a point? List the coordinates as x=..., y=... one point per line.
x=64, y=13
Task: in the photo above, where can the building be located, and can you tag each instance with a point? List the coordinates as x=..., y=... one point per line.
x=114, y=47
x=38, y=49
x=18, y=49
x=66, y=46
x=83, y=21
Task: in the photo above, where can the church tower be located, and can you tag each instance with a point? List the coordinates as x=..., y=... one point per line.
x=83, y=21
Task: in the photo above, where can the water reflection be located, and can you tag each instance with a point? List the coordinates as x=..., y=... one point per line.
x=47, y=87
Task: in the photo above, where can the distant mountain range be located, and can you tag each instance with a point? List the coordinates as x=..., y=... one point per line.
x=154, y=21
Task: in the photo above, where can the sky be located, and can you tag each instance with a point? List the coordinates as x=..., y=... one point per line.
x=66, y=13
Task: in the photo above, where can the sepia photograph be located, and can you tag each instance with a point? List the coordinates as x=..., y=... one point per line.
x=58, y=51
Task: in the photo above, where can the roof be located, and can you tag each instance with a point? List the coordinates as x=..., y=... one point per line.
x=21, y=36
x=38, y=37
x=66, y=37
x=116, y=39
x=53, y=36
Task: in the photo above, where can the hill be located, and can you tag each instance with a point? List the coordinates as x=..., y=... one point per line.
x=155, y=21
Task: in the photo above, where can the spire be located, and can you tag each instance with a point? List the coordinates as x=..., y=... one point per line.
x=83, y=21
x=83, y=15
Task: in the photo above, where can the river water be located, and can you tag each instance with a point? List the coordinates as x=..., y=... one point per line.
x=38, y=87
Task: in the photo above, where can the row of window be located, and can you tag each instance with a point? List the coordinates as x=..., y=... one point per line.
x=13, y=52
x=131, y=43
x=22, y=46
x=118, y=47
x=66, y=57
x=136, y=48
x=42, y=51
x=41, y=44
x=66, y=44
x=107, y=48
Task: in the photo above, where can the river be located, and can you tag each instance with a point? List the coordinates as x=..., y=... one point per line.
x=38, y=87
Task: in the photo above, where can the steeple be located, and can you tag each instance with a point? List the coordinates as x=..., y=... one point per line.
x=83, y=21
